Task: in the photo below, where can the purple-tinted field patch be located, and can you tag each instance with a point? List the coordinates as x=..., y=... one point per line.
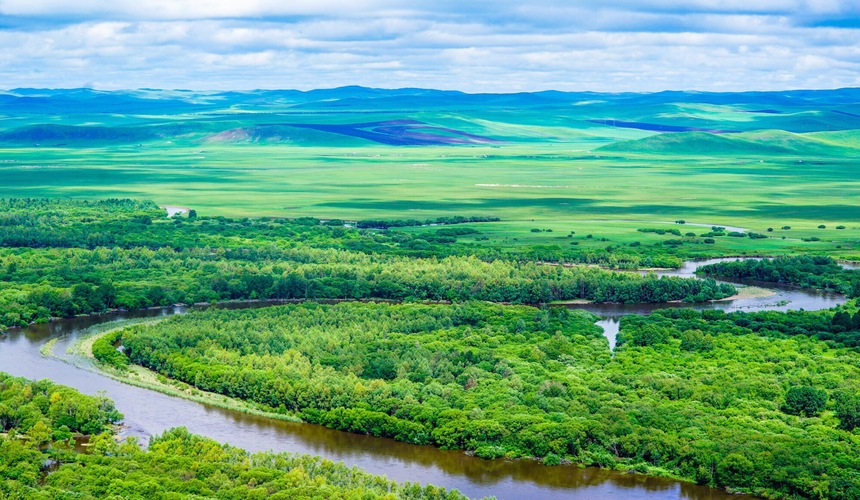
x=401, y=133
x=656, y=127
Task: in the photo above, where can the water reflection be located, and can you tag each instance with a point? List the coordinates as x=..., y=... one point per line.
x=610, y=326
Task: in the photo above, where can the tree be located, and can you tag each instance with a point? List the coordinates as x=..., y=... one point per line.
x=103, y=444
x=734, y=470
x=842, y=319
x=649, y=335
x=805, y=401
x=40, y=434
x=848, y=410
x=695, y=340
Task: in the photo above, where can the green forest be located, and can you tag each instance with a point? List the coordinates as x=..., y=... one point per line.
x=60, y=258
x=710, y=397
x=42, y=422
x=400, y=329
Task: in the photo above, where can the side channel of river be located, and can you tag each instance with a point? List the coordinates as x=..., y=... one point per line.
x=148, y=412
x=781, y=298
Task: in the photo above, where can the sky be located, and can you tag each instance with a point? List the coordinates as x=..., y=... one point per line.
x=467, y=45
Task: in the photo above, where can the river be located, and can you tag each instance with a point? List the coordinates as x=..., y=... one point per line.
x=148, y=413
x=783, y=298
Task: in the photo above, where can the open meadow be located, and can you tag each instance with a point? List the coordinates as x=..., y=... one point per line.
x=600, y=164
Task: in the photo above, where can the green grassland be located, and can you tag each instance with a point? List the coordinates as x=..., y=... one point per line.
x=791, y=164
x=618, y=234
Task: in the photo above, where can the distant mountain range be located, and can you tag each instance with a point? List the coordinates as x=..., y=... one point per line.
x=353, y=116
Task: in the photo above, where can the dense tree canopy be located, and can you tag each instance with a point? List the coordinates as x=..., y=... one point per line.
x=65, y=258
x=688, y=393
x=24, y=404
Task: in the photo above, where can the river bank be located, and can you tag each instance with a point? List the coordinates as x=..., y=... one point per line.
x=80, y=354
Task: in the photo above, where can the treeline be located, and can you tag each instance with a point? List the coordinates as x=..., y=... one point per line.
x=38, y=459
x=65, y=282
x=39, y=421
x=797, y=385
x=127, y=224
x=838, y=328
x=689, y=394
x=95, y=256
x=822, y=273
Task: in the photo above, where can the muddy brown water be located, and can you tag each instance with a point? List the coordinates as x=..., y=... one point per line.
x=148, y=412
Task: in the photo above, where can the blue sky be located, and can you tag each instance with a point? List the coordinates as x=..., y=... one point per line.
x=474, y=46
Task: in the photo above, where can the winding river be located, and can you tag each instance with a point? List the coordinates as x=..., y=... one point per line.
x=148, y=412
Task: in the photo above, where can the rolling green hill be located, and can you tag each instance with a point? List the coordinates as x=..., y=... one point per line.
x=765, y=142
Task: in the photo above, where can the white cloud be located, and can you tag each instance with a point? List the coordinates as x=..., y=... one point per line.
x=186, y=9
x=474, y=46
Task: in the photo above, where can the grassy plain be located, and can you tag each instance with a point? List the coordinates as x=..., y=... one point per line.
x=793, y=164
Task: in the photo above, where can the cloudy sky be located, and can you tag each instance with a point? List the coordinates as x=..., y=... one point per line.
x=469, y=45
